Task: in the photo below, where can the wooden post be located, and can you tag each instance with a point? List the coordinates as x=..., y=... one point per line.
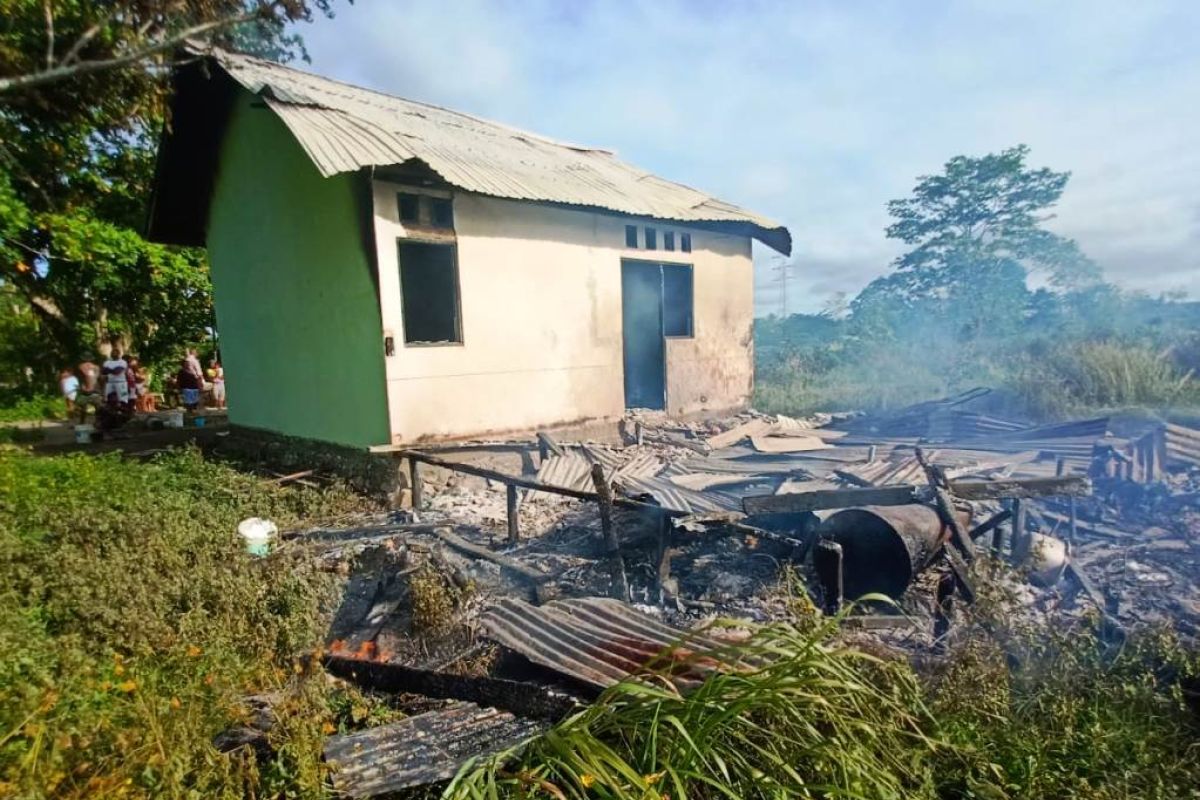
x=414, y=477
x=871, y=451
x=616, y=564
x=945, y=506
x=943, y=607
x=1073, y=529
x=827, y=561
x=998, y=532
x=638, y=433
x=663, y=572
x=1060, y=466
x=1017, y=543
x=514, y=520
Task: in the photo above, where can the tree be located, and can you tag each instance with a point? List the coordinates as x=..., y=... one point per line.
x=976, y=234
x=83, y=90
x=100, y=37
x=983, y=211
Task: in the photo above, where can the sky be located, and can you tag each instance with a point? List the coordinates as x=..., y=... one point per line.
x=818, y=113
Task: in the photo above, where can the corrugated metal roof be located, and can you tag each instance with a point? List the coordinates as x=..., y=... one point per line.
x=344, y=128
x=597, y=640
x=422, y=749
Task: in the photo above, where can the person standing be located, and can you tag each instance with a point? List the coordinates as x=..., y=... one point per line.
x=190, y=386
x=89, y=389
x=217, y=375
x=68, y=384
x=116, y=379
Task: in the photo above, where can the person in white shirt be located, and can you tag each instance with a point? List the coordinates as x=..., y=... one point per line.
x=68, y=384
x=116, y=378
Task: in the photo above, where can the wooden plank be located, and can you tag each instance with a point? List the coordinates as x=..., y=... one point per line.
x=1089, y=528
x=526, y=483
x=736, y=434
x=536, y=577
x=994, y=522
x=1065, y=486
x=829, y=498
x=962, y=578
x=945, y=507
x=616, y=564
x=788, y=444
x=513, y=509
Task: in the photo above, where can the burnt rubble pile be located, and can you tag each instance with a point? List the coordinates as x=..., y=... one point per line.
x=530, y=575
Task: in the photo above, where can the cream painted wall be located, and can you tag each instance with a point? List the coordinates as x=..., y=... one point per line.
x=541, y=318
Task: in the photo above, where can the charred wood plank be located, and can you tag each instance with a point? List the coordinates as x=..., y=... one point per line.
x=522, y=698
x=1065, y=486
x=991, y=524
x=830, y=498
x=616, y=564
x=535, y=577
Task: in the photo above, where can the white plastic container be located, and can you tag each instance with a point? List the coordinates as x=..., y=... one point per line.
x=174, y=419
x=257, y=534
x=83, y=434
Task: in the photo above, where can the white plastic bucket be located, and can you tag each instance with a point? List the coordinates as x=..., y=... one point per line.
x=257, y=534
x=83, y=434
x=174, y=419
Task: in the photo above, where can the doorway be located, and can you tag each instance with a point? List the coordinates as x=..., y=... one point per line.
x=645, y=349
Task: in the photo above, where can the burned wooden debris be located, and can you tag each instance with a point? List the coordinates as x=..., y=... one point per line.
x=580, y=563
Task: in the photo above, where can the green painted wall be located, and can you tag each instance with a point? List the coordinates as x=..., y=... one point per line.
x=301, y=338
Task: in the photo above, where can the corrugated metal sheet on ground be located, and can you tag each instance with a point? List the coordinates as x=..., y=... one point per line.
x=597, y=640
x=1182, y=444
x=571, y=471
x=670, y=495
x=422, y=749
x=344, y=128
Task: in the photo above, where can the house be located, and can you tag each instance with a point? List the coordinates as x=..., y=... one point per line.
x=386, y=271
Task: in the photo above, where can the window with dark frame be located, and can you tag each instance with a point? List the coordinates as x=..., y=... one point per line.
x=651, y=239
x=685, y=242
x=429, y=297
x=441, y=212
x=631, y=236
x=668, y=240
x=409, y=207
x=677, y=300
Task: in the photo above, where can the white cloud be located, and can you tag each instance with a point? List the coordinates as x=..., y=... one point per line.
x=817, y=113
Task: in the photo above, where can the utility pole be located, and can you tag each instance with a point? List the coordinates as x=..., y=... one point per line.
x=783, y=268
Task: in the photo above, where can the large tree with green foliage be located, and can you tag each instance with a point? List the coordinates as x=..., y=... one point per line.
x=975, y=233
x=83, y=89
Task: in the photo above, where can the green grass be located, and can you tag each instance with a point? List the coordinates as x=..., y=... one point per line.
x=826, y=720
x=132, y=625
x=31, y=409
x=1045, y=380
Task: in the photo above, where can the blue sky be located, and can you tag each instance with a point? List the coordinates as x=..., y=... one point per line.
x=818, y=113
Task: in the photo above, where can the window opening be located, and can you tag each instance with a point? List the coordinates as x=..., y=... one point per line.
x=410, y=207
x=677, y=299
x=429, y=295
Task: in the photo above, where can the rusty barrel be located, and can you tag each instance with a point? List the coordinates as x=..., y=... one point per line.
x=884, y=547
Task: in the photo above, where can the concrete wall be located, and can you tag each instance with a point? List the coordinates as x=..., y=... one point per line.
x=541, y=318
x=296, y=304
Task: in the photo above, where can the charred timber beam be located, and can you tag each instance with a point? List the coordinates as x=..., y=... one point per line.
x=616, y=564
x=992, y=524
x=519, y=697
x=536, y=578
x=945, y=506
x=1064, y=486
x=830, y=498
x=527, y=483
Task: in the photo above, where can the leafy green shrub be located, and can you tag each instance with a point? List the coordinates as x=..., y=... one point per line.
x=1082, y=376
x=132, y=623
x=14, y=408
x=815, y=721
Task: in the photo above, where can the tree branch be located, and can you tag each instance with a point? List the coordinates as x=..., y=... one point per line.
x=49, y=12
x=64, y=71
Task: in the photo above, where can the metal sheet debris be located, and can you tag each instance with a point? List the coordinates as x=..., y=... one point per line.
x=598, y=641
x=422, y=749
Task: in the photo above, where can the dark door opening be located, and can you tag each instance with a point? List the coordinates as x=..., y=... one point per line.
x=642, y=331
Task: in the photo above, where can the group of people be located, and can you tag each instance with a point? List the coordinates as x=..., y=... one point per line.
x=119, y=387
